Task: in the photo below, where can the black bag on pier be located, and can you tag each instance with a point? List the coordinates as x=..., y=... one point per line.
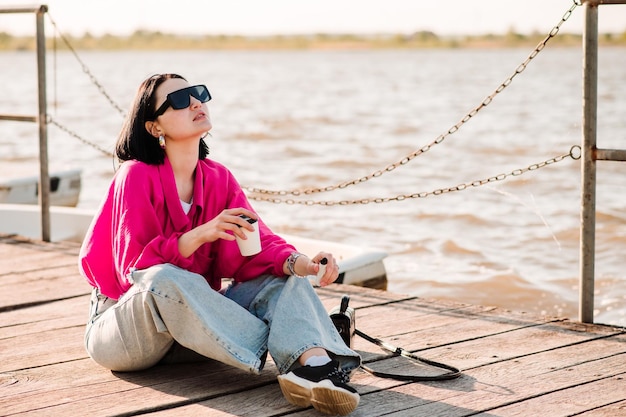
x=344, y=319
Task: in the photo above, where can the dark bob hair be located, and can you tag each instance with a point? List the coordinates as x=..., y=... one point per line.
x=134, y=141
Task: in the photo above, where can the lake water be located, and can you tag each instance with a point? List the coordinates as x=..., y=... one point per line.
x=307, y=119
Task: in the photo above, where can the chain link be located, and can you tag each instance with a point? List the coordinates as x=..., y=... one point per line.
x=86, y=69
x=520, y=68
x=75, y=135
x=574, y=153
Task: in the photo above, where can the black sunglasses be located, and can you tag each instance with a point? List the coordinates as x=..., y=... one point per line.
x=179, y=99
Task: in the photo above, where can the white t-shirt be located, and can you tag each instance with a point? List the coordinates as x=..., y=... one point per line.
x=186, y=206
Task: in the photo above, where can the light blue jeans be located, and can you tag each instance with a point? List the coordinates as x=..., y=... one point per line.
x=172, y=315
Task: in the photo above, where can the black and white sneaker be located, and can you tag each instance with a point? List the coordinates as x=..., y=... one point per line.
x=324, y=387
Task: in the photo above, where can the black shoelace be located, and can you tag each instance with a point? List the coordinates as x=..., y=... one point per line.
x=339, y=375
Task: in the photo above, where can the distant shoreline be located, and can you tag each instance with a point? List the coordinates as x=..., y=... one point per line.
x=148, y=40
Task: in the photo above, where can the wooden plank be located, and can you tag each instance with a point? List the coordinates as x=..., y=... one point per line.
x=362, y=297
x=489, y=350
x=14, y=247
x=37, y=287
x=39, y=275
x=84, y=388
x=418, y=324
x=39, y=261
x=570, y=401
x=503, y=383
x=49, y=316
x=518, y=343
x=446, y=331
x=463, y=330
x=98, y=392
x=397, y=319
x=42, y=348
x=34, y=272
x=617, y=409
x=267, y=400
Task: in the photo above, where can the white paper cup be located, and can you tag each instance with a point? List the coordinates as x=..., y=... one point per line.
x=251, y=245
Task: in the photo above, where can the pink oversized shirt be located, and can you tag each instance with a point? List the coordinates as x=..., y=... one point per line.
x=140, y=220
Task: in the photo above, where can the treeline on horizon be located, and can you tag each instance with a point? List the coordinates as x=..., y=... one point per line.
x=151, y=40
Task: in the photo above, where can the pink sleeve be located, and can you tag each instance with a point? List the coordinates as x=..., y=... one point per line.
x=94, y=258
x=138, y=213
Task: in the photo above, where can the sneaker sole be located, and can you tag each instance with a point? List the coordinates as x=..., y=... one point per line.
x=329, y=399
x=295, y=393
x=324, y=397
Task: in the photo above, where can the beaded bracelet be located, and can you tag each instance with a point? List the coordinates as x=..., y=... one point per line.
x=291, y=262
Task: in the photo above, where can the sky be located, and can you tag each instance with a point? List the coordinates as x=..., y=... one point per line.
x=268, y=17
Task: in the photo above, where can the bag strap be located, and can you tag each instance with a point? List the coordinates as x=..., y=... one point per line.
x=398, y=351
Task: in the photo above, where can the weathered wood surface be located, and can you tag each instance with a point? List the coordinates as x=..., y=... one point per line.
x=513, y=364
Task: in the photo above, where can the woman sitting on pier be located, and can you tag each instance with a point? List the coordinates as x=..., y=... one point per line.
x=163, y=239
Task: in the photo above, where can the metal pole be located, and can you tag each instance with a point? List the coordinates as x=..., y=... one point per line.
x=610, y=155
x=589, y=124
x=44, y=177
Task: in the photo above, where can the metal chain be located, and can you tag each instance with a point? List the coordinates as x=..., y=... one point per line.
x=75, y=135
x=574, y=153
x=86, y=69
x=439, y=139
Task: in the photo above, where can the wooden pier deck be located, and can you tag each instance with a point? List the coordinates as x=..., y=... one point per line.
x=513, y=364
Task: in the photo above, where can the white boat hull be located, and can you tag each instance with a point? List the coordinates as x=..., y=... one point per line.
x=64, y=189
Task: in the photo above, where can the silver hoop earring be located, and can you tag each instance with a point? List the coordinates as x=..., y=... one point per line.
x=162, y=141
